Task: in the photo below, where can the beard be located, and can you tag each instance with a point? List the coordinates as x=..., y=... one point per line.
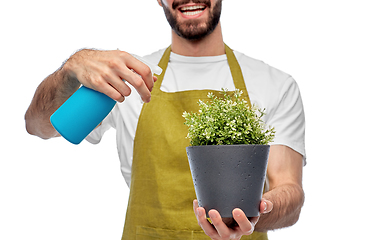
x=194, y=29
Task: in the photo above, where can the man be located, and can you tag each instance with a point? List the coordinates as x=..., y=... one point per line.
x=197, y=60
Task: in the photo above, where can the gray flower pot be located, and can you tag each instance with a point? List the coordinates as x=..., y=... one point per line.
x=226, y=177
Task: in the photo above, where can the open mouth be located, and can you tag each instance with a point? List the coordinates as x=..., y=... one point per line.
x=192, y=10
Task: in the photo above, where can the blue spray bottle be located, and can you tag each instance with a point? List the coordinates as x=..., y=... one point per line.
x=84, y=110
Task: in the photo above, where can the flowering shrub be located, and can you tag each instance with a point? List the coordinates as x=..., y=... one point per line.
x=228, y=120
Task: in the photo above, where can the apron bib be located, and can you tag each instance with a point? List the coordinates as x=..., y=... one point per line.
x=161, y=192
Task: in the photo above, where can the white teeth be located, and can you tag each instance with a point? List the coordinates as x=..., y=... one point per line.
x=192, y=13
x=190, y=8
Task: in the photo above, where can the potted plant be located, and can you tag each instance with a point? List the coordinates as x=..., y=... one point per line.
x=228, y=154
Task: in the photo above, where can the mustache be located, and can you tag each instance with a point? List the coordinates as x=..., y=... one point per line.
x=181, y=2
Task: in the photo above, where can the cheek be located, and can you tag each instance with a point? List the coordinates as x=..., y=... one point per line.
x=167, y=2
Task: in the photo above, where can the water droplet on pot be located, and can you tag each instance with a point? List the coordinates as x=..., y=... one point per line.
x=249, y=175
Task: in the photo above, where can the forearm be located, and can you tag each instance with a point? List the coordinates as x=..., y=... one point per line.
x=49, y=96
x=287, y=202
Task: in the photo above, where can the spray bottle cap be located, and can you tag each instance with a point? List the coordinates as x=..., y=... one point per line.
x=154, y=68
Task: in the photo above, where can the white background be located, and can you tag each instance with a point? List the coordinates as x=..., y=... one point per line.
x=55, y=190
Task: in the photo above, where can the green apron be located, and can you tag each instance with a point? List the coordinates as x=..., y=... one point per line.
x=161, y=193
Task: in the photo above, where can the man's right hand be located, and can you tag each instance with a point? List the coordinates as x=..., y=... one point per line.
x=104, y=71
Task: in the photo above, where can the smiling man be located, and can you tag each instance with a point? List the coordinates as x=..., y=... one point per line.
x=187, y=18
x=151, y=135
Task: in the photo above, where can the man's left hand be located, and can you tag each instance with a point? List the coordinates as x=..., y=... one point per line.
x=218, y=229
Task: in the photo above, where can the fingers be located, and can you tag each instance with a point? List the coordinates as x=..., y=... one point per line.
x=112, y=85
x=143, y=81
x=221, y=228
x=202, y=221
x=137, y=82
x=103, y=71
x=245, y=225
x=143, y=70
x=218, y=229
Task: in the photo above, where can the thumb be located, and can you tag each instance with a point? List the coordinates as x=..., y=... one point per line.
x=266, y=206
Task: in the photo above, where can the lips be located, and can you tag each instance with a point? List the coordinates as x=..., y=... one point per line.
x=192, y=10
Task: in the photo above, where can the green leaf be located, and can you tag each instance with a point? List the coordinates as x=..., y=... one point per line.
x=227, y=120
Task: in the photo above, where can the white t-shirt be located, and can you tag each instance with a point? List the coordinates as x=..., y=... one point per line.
x=267, y=87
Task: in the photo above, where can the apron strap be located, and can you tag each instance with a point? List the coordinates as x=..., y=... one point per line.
x=163, y=64
x=237, y=74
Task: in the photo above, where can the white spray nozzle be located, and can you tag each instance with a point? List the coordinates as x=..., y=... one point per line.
x=154, y=68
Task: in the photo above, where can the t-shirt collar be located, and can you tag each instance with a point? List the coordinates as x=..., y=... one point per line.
x=185, y=59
